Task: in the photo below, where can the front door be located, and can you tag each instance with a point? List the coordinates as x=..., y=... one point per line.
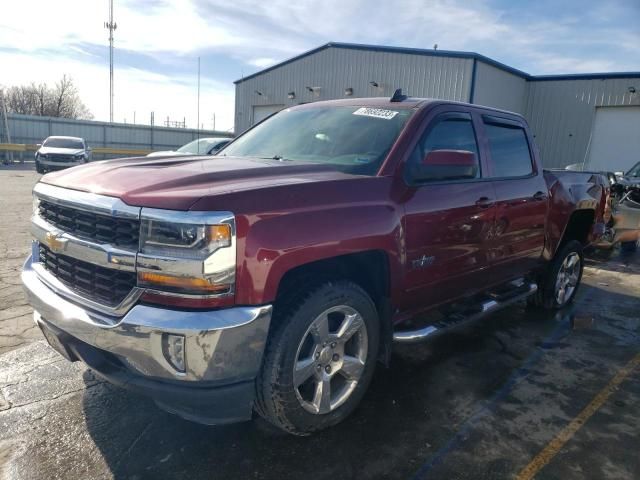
x=447, y=223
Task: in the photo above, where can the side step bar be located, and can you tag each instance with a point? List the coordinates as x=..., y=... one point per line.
x=487, y=307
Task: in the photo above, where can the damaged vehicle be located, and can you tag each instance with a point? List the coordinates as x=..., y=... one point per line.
x=57, y=153
x=624, y=227
x=273, y=278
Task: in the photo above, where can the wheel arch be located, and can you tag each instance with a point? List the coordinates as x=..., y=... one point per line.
x=370, y=269
x=578, y=227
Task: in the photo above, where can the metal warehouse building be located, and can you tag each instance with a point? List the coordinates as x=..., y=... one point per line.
x=591, y=118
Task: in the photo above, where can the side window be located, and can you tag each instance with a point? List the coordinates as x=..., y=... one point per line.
x=509, y=149
x=453, y=132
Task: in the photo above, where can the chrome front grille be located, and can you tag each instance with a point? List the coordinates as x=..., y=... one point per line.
x=58, y=157
x=86, y=247
x=104, y=285
x=121, y=232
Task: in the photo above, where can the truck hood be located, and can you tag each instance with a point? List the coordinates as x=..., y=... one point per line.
x=60, y=151
x=177, y=183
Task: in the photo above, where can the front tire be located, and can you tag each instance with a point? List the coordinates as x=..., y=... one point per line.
x=557, y=287
x=320, y=358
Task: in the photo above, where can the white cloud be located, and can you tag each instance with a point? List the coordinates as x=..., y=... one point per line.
x=260, y=34
x=136, y=90
x=262, y=62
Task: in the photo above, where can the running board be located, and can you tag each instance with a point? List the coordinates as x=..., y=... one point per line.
x=487, y=307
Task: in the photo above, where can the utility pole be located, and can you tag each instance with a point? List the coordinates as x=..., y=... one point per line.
x=111, y=26
x=198, y=122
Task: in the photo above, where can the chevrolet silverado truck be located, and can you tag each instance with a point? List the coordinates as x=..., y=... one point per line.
x=274, y=277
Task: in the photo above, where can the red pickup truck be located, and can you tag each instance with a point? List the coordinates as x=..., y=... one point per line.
x=274, y=276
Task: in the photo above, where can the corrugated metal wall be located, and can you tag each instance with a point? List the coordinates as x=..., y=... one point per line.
x=561, y=113
x=32, y=130
x=335, y=69
x=499, y=89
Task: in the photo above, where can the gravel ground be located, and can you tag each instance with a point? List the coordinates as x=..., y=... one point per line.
x=16, y=321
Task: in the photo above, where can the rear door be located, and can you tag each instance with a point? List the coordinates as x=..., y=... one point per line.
x=521, y=197
x=447, y=223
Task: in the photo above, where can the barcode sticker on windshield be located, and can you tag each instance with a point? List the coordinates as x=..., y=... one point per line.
x=376, y=112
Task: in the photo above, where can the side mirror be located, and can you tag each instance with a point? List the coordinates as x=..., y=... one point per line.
x=448, y=165
x=619, y=174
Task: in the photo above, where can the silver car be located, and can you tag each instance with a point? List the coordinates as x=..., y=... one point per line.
x=202, y=146
x=57, y=153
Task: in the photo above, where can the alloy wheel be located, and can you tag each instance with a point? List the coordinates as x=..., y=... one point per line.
x=330, y=359
x=567, y=279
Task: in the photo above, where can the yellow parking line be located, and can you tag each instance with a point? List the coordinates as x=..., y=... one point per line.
x=554, y=446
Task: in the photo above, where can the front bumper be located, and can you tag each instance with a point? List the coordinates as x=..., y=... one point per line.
x=61, y=163
x=223, y=349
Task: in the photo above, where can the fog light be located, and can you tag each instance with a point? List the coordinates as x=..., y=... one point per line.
x=173, y=350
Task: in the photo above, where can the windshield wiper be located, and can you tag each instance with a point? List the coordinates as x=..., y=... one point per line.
x=280, y=158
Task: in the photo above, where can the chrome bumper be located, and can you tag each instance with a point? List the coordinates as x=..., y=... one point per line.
x=62, y=163
x=220, y=345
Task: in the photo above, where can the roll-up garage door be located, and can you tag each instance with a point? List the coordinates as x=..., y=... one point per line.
x=260, y=112
x=615, y=139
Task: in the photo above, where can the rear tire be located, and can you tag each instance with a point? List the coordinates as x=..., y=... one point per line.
x=315, y=372
x=558, y=285
x=628, y=247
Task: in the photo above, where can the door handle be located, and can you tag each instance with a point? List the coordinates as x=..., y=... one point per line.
x=540, y=196
x=484, y=202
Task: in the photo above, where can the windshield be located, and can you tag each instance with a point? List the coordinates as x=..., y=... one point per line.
x=635, y=171
x=63, y=143
x=354, y=139
x=199, y=147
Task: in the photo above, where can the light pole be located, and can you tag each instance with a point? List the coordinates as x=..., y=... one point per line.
x=111, y=26
x=198, y=120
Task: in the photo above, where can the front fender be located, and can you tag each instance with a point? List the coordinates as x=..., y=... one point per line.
x=275, y=244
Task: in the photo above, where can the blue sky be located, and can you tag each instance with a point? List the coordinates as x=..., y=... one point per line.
x=158, y=42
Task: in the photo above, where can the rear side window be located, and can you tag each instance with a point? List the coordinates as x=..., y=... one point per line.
x=509, y=149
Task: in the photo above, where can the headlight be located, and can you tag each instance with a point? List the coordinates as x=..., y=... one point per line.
x=79, y=156
x=183, y=240
x=190, y=254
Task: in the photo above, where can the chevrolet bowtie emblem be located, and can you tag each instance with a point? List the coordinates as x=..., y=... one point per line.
x=55, y=242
